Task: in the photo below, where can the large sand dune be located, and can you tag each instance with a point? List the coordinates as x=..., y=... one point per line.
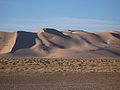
x=48, y=42
x=7, y=41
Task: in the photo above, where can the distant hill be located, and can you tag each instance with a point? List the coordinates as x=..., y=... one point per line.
x=49, y=42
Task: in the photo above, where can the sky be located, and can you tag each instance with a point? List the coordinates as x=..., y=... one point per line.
x=89, y=15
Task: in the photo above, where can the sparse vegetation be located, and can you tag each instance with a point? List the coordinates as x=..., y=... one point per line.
x=23, y=64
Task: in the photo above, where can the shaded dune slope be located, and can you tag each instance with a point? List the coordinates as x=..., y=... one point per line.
x=24, y=40
x=48, y=42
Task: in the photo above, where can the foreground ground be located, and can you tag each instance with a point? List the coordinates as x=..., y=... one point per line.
x=60, y=81
x=34, y=73
x=36, y=64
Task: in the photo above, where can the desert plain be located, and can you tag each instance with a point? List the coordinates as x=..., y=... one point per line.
x=49, y=59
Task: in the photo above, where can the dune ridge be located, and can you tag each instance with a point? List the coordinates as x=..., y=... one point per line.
x=52, y=43
x=7, y=41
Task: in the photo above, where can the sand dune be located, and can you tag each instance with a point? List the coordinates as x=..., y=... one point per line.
x=48, y=42
x=7, y=41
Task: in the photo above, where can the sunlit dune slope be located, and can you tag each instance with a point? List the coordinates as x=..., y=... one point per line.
x=48, y=42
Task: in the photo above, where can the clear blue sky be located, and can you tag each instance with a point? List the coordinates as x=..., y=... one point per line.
x=91, y=15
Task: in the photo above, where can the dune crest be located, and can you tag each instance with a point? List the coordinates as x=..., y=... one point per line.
x=7, y=41
x=49, y=42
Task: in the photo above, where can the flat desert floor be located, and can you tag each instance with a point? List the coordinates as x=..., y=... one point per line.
x=60, y=81
x=33, y=73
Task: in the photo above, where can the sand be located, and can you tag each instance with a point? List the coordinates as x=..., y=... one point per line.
x=52, y=43
x=7, y=41
x=35, y=73
x=59, y=60
x=60, y=81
